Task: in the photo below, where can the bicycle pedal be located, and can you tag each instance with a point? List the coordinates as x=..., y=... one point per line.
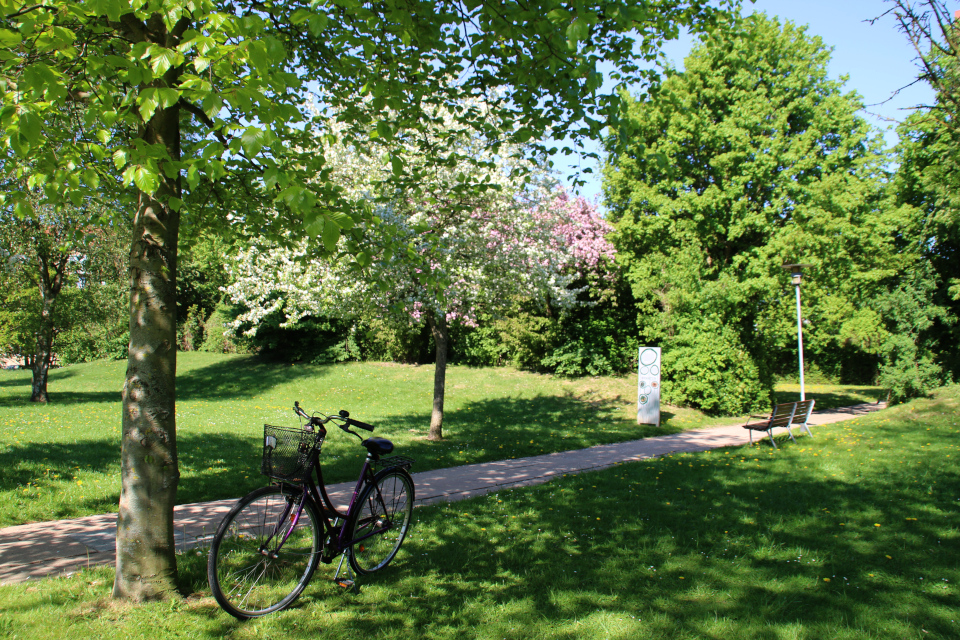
x=343, y=582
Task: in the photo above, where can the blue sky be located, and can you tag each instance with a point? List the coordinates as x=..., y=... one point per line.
x=877, y=58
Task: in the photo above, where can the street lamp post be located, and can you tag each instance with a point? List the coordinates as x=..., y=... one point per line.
x=795, y=277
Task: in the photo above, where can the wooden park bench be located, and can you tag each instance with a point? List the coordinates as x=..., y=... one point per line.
x=784, y=415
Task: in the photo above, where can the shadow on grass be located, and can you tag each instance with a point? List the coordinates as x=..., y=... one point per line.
x=741, y=542
x=212, y=467
x=215, y=466
x=11, y=381
x=241, y=378
x=720, y=551
x=218, y=466
x=832, y=400
x=56, y=395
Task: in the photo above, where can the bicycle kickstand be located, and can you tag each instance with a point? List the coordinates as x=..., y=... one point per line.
x=348, y=581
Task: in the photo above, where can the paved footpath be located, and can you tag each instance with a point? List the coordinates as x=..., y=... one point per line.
x=60, y=547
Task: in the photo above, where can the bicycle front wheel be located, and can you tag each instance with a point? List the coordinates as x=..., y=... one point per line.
x=260, y=559
x=381, y=521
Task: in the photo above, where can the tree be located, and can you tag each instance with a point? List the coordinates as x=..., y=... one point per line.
x=41, y=251
x=62, y=293
x=465, y=252
x=928, y=173
x=201, y=107
x=750, y=158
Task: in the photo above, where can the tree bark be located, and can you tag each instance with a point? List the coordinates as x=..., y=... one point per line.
x=44, y=352
x=438, y=327
x=50, y=286
x=146, y=563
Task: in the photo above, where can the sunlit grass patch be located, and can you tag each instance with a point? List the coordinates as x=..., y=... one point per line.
x=734, y=543
x=63, y=460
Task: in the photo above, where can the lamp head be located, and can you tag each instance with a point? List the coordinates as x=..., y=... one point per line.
x=796, y=271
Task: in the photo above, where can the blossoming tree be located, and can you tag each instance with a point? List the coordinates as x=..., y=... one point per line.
x=461, y=255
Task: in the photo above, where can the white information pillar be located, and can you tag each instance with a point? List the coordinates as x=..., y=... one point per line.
x=648, y=386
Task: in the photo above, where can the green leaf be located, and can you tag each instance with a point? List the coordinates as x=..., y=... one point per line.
x=253, y=140
x=31, y=127
x=162, y=60
x=331, y=234
x=9, y=39
x=396, y=163
x=270, y=177
x=341, y=219
x=146, y=180
x=148, y=100
x=168, y=97
x=318, y=23
x=364, y=258
x=577, y=31
x=257, y=53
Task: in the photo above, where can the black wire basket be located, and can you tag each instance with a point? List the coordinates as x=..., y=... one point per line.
x=287, y=452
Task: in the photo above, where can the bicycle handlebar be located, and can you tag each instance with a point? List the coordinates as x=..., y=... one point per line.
x=343, y=418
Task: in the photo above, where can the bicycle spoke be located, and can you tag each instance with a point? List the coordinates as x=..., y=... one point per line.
x=246, y=580
x=382, y=521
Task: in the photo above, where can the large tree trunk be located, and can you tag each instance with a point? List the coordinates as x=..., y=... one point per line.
x=146, y=564
x=438, y=327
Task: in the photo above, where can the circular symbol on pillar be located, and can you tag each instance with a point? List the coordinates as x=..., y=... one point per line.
x=655, y=370
x=648, y=357
x=643, y=399
x=645, y=389
x=644, y=371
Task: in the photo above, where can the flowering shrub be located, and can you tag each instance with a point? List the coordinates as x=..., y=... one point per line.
x=449, y=250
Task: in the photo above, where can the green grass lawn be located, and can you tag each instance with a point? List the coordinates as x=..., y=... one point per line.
x=62, y=460
x=854, y=533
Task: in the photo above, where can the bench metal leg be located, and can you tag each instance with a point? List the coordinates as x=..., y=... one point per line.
x=772, y=441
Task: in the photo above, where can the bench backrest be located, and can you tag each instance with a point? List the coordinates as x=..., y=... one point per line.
x=783, y=414
x=804, y=409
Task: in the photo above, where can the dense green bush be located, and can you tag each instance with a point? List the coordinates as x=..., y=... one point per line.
x=382, y=340
x=705, y=366
x=219, y=337
x=313, y=340
x=906, y=373
x=190, y=331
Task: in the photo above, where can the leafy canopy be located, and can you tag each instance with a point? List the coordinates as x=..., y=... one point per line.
x=750, y=158
x=241, y=74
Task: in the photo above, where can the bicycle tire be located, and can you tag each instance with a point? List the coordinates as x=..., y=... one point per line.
x=245, y=581
x=395, y=487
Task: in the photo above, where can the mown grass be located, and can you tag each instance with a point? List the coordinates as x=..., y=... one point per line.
x=854, y=533
x=62, y=460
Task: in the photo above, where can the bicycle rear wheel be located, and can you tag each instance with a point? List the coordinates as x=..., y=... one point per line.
x=384, y=511
x=249, y=575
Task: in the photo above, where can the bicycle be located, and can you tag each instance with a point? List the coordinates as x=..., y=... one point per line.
x=267, y=548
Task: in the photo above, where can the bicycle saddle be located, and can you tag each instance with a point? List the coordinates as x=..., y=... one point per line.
x=378, y=446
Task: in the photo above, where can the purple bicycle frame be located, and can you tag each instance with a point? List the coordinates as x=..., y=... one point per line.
x=318, y=493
